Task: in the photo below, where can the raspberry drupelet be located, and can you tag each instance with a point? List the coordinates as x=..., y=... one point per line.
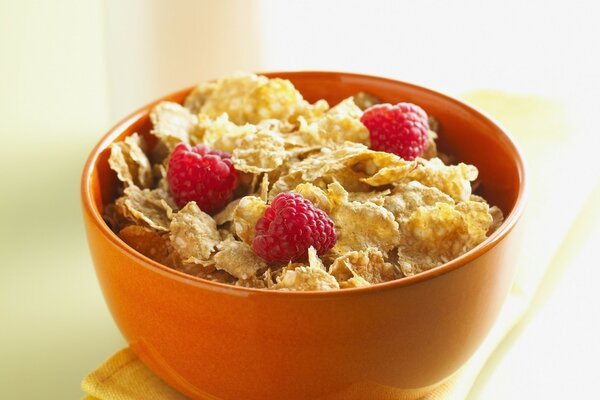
x=289, y=226
x=400, y=129
x=203, y=175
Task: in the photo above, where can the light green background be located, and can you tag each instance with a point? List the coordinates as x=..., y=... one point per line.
x=54, y=324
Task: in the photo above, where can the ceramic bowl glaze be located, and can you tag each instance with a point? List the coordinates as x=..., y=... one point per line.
x=214, y=341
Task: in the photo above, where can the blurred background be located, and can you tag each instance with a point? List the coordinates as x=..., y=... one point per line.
x=70, y=69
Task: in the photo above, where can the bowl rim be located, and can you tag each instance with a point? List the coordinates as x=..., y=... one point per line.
x=490, y=242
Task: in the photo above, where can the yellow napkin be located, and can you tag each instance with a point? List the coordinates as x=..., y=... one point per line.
x=545, y=135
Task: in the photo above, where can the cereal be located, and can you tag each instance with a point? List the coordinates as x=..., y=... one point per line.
x=375, y=197
x=226, y=215
x=146, y=207
x=245, y=217
x=198, y=96
x=254, y=282
x=229, y=96
x=436, y=234
x=264, y=187
x=220, y=133
x=129, y=161
x=262, y=151
x=160, y=175
x=392, y=174
x=337, y=194
x=238, y=259
x=434, y=124
x=221, y=277
x=392, y=217
x=454, y=180
x=253, y=182
x=114, y=218
x=342, y=123
x=329, y=161
x=366, y=265
x=194, y=234
x=172, y=123
x=497, y=219
x=348, y=164
x=338, y=125
x=365, y=100
x=150, y=243
x=276, y=99
x=276, y=125
x=313, y=259
x=356, y=281
x=431, y=150
x=362, y=225
x=285, y=183
x=407, y=197
x=202, y=269
x=316, y=195
x=306, y=278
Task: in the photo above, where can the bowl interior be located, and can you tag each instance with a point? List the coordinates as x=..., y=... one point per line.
x=465, y=133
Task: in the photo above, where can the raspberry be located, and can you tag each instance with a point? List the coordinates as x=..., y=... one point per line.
x=289, y=226
x=202, y=175
x=400, y=129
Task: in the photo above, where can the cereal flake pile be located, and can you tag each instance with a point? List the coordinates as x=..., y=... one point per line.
x=249, y=184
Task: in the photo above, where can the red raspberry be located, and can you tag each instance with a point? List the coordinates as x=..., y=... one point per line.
x=289, y=226
x=202, y=175
x=400, y=129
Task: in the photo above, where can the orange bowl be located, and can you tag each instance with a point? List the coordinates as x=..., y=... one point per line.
x=214, y=341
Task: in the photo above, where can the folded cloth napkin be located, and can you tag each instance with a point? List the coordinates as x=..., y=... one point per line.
x=549, y=142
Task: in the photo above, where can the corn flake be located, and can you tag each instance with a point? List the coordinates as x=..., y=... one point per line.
x=365, y=100
x=238, y=259
x=226, y=215
x=375, y=197
x=367, y=265
x=198, y=96
x=254, y=282
x=150, y=243
x=336, y=194
x=431, y=149
x=362, y=225
x=338, y=125
x=172, y=123
x=454, y=180
x=497, y=219
x=246, y=215
x=398, y=173
x=276, y=99
x=220, y=133
x=201, y=269
x=194, y=234
x=129, y=161
x=436, y=234
x=342, y=123
x=147, y=207
x=258, y=152
x=114, y=218
x=306, y=278
x=264, y=187
x=349, y=165
x=221, y=277
x=229, y=96
x=316, y=195
x=313, y=259
x=407, y=197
